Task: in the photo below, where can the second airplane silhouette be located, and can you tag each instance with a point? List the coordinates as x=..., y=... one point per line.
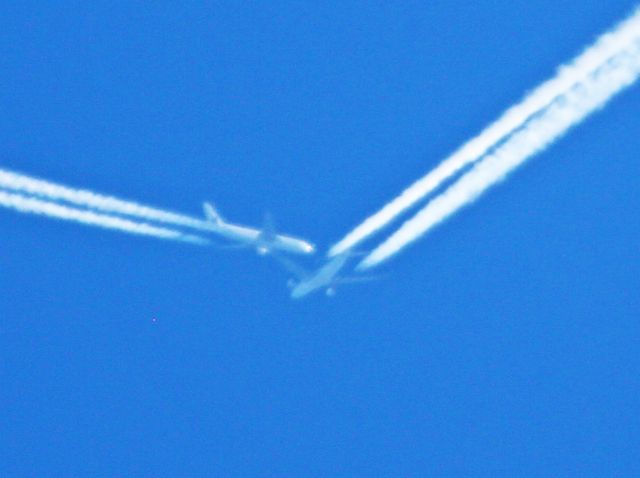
x=328, y=276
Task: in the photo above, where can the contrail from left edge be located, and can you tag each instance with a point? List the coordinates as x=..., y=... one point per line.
x=32, y=205
x=540, y=132
x=46, y=190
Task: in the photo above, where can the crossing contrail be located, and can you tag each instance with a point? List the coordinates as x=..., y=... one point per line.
x=33, y=205
x=565, y=112
x=606, y=47
x=82, y=198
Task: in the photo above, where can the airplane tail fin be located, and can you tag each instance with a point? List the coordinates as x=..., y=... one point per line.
x=211, y=213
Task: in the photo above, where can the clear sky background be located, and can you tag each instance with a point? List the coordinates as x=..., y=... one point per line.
x=505, y=343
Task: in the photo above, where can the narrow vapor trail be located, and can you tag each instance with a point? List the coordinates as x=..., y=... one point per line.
x=33, y=205
x=606, y=47
x=540, y=132
x=27, y=185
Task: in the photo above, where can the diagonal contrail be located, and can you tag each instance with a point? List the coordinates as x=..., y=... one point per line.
x=607, y=46
x=32, y=205
x=536, y=135
x=39, y=188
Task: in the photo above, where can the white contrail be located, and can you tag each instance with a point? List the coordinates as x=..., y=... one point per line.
x=23, y=184
x=566, y=112
x=33, y=205
x=606, y=47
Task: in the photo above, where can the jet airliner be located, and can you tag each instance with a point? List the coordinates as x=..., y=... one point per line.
x=326, y=277
x=264, y=241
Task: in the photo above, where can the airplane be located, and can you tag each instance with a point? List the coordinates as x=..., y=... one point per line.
x=264, y=241
x=327, y=276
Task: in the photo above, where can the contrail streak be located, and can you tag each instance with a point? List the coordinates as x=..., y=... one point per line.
x=33, y=205
x=87, y=199
x=540, y=132
x=607, y=46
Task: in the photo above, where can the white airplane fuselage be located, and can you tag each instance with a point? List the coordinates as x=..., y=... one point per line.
x=324, y=277
x=263, y=241
x=253, y=236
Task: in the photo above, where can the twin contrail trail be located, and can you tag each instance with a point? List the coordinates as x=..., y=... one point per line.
x=608, y=46
x=579, y=88
x=33, y=205
x=566, y=111
x=46, y=190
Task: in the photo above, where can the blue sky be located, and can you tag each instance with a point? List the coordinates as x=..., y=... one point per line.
x=505, y=343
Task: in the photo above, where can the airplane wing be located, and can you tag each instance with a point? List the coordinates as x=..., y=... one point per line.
x=291, y=266
x=269, y=228
x=356, y=279
x=232, y=247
